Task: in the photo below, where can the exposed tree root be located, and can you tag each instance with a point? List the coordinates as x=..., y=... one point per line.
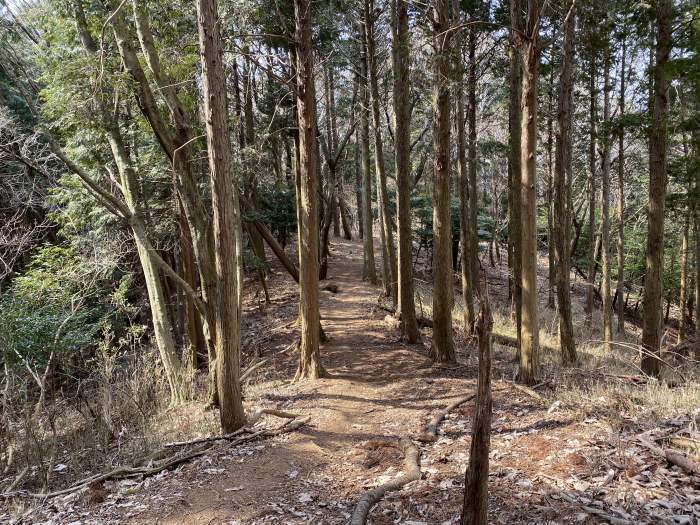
x=371, y=497
x=411, y=464
x=429, y=434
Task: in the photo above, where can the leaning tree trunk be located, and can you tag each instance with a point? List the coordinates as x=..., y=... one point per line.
x=157, y=299
x=443, y=345
x=226, y=217
x=383, y=197
x=605, y=233
x=402, y=121
x=162, y=325
x=530, y=54
x=658, y=145
x=562, y=213
x=309, y=315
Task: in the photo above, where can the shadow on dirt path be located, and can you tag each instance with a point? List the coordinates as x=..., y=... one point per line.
x=373, y=392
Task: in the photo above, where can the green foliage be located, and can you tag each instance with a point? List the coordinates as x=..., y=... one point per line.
x=56, y=305
x=278, y=210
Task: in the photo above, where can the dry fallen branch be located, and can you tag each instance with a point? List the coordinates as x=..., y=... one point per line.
x=529, y=391
x=430, y=432
x=173, y=461
x=270, y=412
x=672, y=456
x=252, y=369
x=613, y=520
x=371, y=497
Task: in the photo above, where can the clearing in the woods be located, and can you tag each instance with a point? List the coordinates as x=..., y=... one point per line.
x=559, y=453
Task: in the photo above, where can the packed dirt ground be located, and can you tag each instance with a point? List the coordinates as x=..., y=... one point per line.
x=581, y=447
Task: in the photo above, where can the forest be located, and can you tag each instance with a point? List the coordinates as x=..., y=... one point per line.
x=350, y=262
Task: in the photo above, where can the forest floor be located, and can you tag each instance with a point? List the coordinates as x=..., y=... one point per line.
x=574, y=450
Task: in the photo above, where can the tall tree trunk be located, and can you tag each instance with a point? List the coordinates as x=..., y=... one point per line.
x=463, y=185
x=309, y=315
x=592, y=159
x=189, y=274
x=529, y=47
x=605, y=241
x=226, y=217
x=551, y=242
x=344, y=216
x=369, y=271
x=472, y=163
x=443, y=345
x=383, y=198
x=514, y=169
x=358, y=168
x=697, y=253
x=658, y=145
x=621, y=197
x=562, y=213
x=683, y=293
x=402, y=121
x=475, y=506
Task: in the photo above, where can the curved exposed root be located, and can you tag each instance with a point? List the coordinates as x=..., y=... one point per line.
x=371, y=497
x=429, y=434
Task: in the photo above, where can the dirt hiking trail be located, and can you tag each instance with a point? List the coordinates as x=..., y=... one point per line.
x=550, y=462
x=378, y=389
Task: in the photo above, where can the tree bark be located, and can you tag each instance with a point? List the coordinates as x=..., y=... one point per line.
x=621, y=197
x=697, y=253
x=400, y=50
x=683, y=292
x=443, y=345
x=464, y=215
x=551, y=241
x=529, y=46
x=475, y=508
x=658, y=145
x=309, y=315
x=605, y=241
x=227, y=217
x=369, y=270
x=562, y=213
x=472, y=163
x=514, y=197
x=383, y=197
x=592, y=154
